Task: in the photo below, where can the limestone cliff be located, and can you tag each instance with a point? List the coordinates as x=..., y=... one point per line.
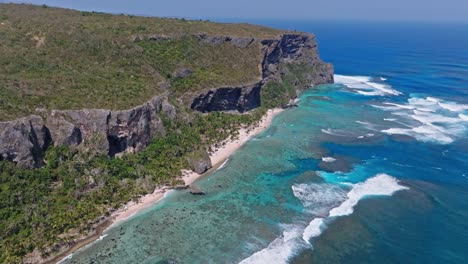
x=288, y=49
x=24, y=141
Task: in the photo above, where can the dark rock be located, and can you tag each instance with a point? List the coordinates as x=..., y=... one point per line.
x=239, y=99
x=24, y=141
x=290, y=106
x=290, y=48
x=196, y=191
x=199, y=161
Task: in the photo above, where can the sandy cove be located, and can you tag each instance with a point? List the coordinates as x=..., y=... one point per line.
x=228, y=147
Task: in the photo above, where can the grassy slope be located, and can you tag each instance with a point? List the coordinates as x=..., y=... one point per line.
x=64, y=59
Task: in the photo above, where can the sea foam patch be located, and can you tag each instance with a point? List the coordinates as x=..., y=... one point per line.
x=366, y=85
x=428, y=119
x=328, y=159
x=333, y=202
x=379, y=185
x=278, y=252
x=319, y=198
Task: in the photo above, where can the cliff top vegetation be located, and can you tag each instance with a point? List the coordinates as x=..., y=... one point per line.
x=56, y=58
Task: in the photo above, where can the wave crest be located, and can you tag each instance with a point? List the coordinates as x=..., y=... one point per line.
x=324, y=196
x=428, y=119
x=365, y=85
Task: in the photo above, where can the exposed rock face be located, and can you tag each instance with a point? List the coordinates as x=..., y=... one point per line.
x=25, y=140
x=240, y=99
x=199, y=162
x=289, y=49
x=241, y=42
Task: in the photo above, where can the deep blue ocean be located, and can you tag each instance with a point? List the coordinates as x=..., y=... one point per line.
x=372, y=169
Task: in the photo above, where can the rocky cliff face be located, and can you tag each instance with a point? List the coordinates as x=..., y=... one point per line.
x=288, y=49
x=24, y=141
x=239, y=99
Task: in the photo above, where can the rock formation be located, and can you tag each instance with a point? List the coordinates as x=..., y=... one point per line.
x=289, y=49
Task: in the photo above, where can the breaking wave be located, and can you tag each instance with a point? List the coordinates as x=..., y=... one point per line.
x=366, y=85
x=328, y=159
x=379, y=185
x=428, y=119
x=324, y=201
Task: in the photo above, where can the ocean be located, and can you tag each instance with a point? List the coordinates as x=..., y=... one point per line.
x=372, y=169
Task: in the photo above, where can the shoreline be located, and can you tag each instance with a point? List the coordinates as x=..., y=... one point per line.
x=128, y=210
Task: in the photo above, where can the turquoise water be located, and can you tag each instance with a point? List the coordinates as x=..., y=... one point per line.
x=371, y=169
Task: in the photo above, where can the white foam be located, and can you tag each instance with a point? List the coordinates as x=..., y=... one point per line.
x=428, y=119
x=421, y=133
x=365, y=86
x=333, y=132
x=463, y=117
x=223, y=164
x=366, y=135
x=83, y=248
x=381, y=184
x=328, y=159
x=314, y=229
x=375, y=93
x=291, y=232
x=327, y=196
x=454, y=107
x=318, y=198
x=279, y=251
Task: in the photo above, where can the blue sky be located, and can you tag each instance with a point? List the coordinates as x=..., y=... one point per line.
x=373, y=10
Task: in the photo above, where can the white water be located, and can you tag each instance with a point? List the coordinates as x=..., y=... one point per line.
x=314, y=229
x=428, y=119
x=328, y=159
x=365, y=85
x=321, y=199
x=83, y=248
x=222, y=165
x=381, y=184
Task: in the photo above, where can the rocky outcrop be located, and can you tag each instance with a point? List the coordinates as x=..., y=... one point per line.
x=296, y=49
x=288, y=49
x=24, y=141
x=199, y=161
x=239, y=99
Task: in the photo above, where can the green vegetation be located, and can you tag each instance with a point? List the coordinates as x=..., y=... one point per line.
x=210, y=66
x=54, y=204
x=277, y=94
x=63, y=59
